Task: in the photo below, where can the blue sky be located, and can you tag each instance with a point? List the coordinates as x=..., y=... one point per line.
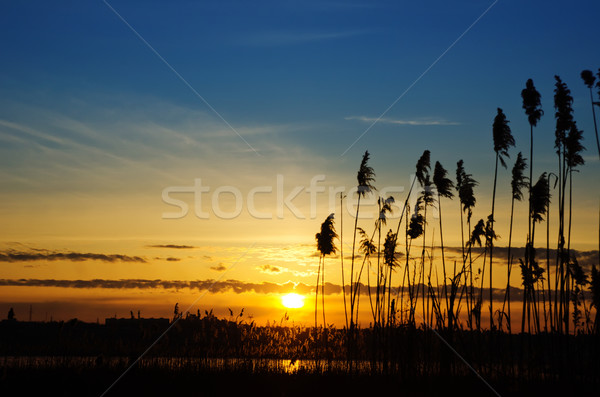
x=282, y=62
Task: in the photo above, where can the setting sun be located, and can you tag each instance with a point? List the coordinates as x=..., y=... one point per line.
x=292, y=301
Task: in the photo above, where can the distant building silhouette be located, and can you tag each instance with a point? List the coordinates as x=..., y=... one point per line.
x=136, y=322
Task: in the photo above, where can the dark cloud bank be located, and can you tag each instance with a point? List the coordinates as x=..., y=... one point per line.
x=22, y=256
x=234, y=286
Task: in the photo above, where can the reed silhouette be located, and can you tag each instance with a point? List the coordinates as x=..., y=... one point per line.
x=325, y=246
x=365, y=178
x=444, y=187
x=503, y=140
x=422, y=328
x=589, y=79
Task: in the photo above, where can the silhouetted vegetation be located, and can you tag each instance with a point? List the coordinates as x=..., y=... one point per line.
x=209, y=347
x=421, y=328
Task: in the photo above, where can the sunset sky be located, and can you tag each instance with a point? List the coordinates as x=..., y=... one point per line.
x=111, y=111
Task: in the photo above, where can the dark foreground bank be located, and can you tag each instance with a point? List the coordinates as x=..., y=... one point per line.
x=232, y=382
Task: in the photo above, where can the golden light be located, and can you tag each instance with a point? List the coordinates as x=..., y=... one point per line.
x=292, y=301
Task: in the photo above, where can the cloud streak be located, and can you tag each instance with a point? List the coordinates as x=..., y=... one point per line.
x=227, y=286
x=20, y=256
x=585, y=258
x=279, y=38
x=383, y=120
x=173, y=246
x=235, y=286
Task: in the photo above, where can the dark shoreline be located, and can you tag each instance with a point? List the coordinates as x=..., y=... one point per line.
x=150, y=382
x=212, y=356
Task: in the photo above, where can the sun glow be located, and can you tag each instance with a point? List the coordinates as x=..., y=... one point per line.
x=292, y=301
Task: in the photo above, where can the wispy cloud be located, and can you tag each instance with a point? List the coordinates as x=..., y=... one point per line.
x=278, y=270
x=174, y=246
x=20, y=256
x=56, y=153
x=420, y=121
x=279, y=38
